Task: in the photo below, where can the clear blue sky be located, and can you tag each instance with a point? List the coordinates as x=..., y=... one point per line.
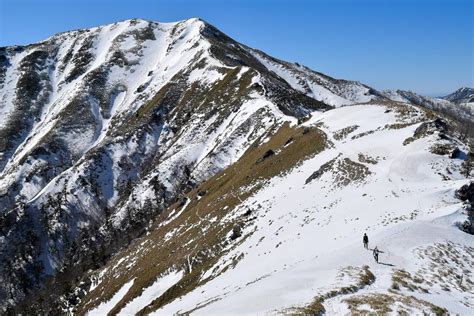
x=425, y=46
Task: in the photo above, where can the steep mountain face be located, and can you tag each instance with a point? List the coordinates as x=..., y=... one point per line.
x=462, y=95
x=103, y=129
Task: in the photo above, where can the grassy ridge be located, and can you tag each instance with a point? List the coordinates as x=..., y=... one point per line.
x=197, y=243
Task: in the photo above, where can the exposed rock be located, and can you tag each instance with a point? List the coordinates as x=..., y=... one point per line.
x=236, y=232
x=247, y=212
x=342, y=133
x=468, y=225
x=266, y=155
x=141, y=88
x=441, y=149
x=322, y=170
x=429, y=128
x=443, y=136
x=456, y=153
x=362, y=134
x=367, y=159
x=345, y=171
x=289, y=140
x=303, y=119
x=182, y=201
x=466, y=192
x=349, y=171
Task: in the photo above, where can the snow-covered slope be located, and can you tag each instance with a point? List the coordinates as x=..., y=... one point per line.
x=282, y=232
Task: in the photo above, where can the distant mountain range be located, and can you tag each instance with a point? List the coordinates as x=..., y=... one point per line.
x=143, y=162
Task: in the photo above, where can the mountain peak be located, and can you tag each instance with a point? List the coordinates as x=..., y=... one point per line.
x=134, y=21
x=130, y=23
x=461, y=95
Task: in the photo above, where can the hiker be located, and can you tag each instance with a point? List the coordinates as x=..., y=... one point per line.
x=365, y=240
x=376, y=254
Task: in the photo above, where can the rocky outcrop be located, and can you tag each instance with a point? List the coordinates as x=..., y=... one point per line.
x=466, y=192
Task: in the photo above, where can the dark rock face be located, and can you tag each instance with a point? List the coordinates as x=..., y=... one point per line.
x=466, y=192
x=236, y=232
x=430, y=127
x=266, y=155
x=441, y=149
x=457, y=154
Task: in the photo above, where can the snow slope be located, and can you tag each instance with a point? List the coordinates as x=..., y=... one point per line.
x=304, y=240
x=316, y=228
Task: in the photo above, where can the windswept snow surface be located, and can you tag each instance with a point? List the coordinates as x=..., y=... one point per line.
x=305, y=234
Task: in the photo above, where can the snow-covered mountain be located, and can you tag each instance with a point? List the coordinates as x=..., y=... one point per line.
x=177, y=133
x=456, y=105
x=462, y=95
x=103, y=128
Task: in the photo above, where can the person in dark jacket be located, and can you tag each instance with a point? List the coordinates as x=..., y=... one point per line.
x=376, y=254
x=365, y=240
